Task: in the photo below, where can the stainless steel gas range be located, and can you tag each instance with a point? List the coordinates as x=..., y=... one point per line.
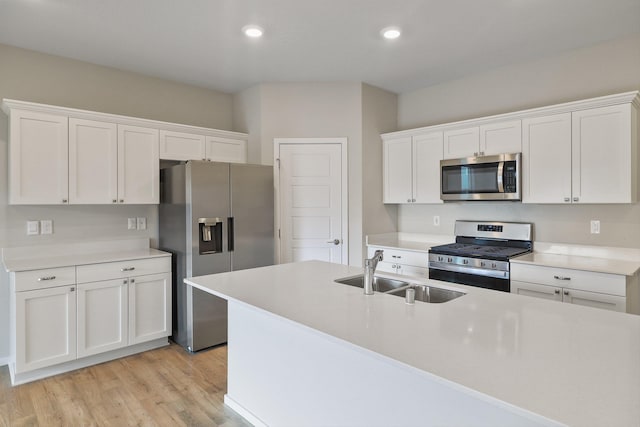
x=480, y=256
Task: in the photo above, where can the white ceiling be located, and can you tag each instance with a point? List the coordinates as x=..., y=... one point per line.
x=200, y=42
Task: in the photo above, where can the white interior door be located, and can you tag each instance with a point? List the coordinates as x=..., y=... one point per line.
x=311, y=200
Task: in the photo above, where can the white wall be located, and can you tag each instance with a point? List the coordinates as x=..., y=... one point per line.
x=31, y=76
x=602, y=69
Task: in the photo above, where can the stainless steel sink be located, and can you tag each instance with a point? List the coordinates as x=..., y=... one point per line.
x=380, y=284
x=430, y=294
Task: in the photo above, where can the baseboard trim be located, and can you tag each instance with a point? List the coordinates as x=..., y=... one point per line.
x=25, y=377
x=247, y=415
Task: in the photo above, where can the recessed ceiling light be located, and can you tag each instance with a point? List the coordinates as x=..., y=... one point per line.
x=252, y=31
x=390, y=33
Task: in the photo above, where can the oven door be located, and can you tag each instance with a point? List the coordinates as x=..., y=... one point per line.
x=481, y=178
x=466, y=277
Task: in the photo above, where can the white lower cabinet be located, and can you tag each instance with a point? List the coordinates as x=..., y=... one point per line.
x=45, y=327
x=406, y=263
x=592, y=289
x=102, y=316
x=65, y=314
x=149, y=307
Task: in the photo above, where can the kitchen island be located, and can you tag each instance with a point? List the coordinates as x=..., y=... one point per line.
x=304, y=350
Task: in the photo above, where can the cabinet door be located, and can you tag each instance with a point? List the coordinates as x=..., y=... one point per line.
x=226, y=150
x=427, y=153
x=602, y=155
x=593, y=299
x=138, y=165
x=546, y=159
x=45, y=327
x=397, y=174
x=38, y=158
x=461, y=143
x=536, y=290
x=149, y=307
x=93, y=162
x=102, y=316
x=502, y=137
x=181, y=146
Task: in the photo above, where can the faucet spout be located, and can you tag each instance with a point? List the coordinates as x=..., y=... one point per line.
x=370, y=265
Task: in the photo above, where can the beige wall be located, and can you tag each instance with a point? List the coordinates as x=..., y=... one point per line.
x=602, y=69
x=379, y=115
x=308, y=110
x=30, y=76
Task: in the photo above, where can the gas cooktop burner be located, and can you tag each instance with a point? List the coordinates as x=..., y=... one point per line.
x=479, y=251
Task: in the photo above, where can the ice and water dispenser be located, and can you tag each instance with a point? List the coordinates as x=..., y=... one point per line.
x=210, y=232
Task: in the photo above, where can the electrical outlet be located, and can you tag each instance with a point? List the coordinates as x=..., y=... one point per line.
x=131, y=223
x=33, y=228
x=436, y=220
x=46, y=226
x=142, y=223
x=595, y=226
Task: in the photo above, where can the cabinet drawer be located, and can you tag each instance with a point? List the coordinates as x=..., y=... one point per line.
x=613, y=284
x=121, y=269
x=45, y=278
x=417, y=259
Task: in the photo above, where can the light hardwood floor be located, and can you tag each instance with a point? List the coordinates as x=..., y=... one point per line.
x=163, y=387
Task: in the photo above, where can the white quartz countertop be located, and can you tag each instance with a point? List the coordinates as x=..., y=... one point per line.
x=52, y=260
x=576, y=365
x=407, y=242
x=601, y=265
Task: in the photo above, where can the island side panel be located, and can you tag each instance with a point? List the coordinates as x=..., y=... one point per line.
x=283, y=373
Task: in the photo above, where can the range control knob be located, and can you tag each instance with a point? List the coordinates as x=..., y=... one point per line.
x=465, y=261
x=449, y=260
x=493, y=265
x=483, y=264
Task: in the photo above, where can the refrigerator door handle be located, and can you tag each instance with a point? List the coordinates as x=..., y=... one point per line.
x=230, y=234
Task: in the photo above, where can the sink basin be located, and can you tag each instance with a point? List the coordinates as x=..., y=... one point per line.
x=430, y=294
x=380, y=284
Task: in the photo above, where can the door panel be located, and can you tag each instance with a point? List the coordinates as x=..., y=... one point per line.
x=252, y=210
x=311, y=202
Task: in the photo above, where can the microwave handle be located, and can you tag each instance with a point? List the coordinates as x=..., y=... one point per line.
x=500, y=177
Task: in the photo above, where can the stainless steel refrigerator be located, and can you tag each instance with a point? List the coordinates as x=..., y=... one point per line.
x=213, y=218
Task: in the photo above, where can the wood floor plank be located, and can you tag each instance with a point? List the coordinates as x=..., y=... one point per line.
x=163, y=387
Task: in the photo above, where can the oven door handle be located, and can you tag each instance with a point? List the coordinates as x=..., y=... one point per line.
x=500, y=177
x=469, y=270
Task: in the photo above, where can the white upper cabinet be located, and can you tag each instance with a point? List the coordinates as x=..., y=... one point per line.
x=604, y=155
x=546, y=159
x=38, y=158
x=483, y=140
x=93, y=162
x=427, y=153
x=412, y=169
x=397, y=173
x=187, y=146
x=138, y=165
x=501, y=137
x=181, y=146
x=460, y=143
x=230, y=150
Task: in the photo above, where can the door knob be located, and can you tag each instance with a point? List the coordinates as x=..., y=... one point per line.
x=334, y=241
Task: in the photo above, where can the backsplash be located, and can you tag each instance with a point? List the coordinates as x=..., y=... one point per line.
x=619, y=224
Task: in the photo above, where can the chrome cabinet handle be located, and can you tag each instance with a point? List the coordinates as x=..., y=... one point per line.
x=40, y=279
x=64, y=200
x=567, y=199
x=561, y=278
x=334, y=241
x=408, y=200
x=556, y=291
x=72, y=289
x=121, y=200
x=132, y=281
x=128, y=269
x=576, y=199
x=413, y=200
x=566, y=292
x=114, y=201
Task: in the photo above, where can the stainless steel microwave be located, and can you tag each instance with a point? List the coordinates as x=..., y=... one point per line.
x=481, y=178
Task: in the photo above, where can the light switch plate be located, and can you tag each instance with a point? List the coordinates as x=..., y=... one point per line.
x=33, y=228
x=142, y=223
x=436, y=220
x=131, y=223
x=595, y=226
x=46, y=226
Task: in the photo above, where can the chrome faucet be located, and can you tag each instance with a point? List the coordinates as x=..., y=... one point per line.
x=369, y=270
